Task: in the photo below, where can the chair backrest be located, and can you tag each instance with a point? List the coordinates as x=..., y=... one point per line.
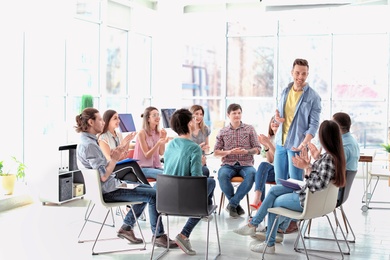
x=182, y=195
x=344, y=191
x=320, y=203
x=93, y=187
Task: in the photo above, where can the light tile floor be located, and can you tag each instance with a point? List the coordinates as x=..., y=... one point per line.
x=50, y=232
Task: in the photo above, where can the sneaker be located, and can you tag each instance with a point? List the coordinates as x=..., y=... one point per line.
x=185, y=245
x=161, y=241
x=232, y=211
x=129, y=235
x=240, y=210
x=262, y=236
x=246, y=230
x=259, y=248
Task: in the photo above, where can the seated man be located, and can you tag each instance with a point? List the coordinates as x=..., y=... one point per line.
x=236, y=144
x=89, y=153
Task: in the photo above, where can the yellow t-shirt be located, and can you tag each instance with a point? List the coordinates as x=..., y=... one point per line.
x=289, y=110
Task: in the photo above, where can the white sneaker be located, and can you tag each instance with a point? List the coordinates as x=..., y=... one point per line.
x=259, y=248
x=246, y=230
x=262, y=236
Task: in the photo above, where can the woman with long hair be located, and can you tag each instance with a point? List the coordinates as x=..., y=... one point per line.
x=150, y=143
x=200, y=135
x=330, y=167
x=110, y=138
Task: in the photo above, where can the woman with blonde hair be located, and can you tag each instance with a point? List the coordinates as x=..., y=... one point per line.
x=150, y=143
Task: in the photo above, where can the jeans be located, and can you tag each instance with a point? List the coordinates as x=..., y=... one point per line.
x=144, y=193
x=191, y=222
x=206, y=171
x=152, y=172
x=278, y=196
x=227, y=172
x=283, y=165
x=265, y=173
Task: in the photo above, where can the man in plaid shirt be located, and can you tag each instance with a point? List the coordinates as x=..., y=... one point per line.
x=236, y=144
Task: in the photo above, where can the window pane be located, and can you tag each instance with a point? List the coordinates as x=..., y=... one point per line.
x=139, y=62
x=360, y=69
x=83, y=59
x=116, y=70
x=250, y=66
x=368, y=124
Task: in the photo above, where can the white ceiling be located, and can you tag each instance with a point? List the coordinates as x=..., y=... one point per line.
x=269, y=5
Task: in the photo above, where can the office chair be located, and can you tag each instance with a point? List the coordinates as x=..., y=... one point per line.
x=342, y=198
x=317, y=204
x=184, y=196
x=236, y=181
x=94, y=194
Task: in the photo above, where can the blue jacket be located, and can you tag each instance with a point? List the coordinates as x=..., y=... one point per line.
x=306, y=117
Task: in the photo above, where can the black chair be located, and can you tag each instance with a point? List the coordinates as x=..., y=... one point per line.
x=184, y=196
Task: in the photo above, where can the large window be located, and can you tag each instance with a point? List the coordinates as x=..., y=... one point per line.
x=349, y=71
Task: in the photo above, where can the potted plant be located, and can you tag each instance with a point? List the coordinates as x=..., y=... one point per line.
x=7, y=179
x=387, y=147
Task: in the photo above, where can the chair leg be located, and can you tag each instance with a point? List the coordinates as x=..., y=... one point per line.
x=221, y=203
x=347, y=223
x=249, y=208
x=267, y=241
x=100, y=230
x=217, y=232
x=154, y=238
x=301, y=237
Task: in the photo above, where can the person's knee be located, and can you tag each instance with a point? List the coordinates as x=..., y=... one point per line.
x=211, y=183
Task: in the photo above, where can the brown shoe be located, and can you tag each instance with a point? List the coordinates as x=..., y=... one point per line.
x=129, y=235
x=293, y=227
x=161, y=241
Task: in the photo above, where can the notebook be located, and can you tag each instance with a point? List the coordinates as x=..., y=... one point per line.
x=292, y=183
x=129, y=186
x=126, y=161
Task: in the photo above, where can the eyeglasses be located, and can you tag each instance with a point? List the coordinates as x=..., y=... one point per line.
x=155, y=115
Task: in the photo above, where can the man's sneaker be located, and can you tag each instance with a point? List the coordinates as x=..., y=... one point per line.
x=261, y=235
x=129, y=235
x=232, y=211
x=240, y=210
x=259, y=248
x=161, y=241
x=246, y=230
x=185, y=245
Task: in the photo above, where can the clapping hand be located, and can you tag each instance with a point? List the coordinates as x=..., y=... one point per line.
x=301, y=160
x=117, y=153
x=129, y=137
x=315, y=153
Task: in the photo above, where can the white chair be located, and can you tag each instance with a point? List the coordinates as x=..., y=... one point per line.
x=342, y=198
x=317, y=204
x=376, y=174
x=94, y=193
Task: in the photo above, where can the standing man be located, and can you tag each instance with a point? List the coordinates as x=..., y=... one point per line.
x=298, y=112
x=236, y=144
